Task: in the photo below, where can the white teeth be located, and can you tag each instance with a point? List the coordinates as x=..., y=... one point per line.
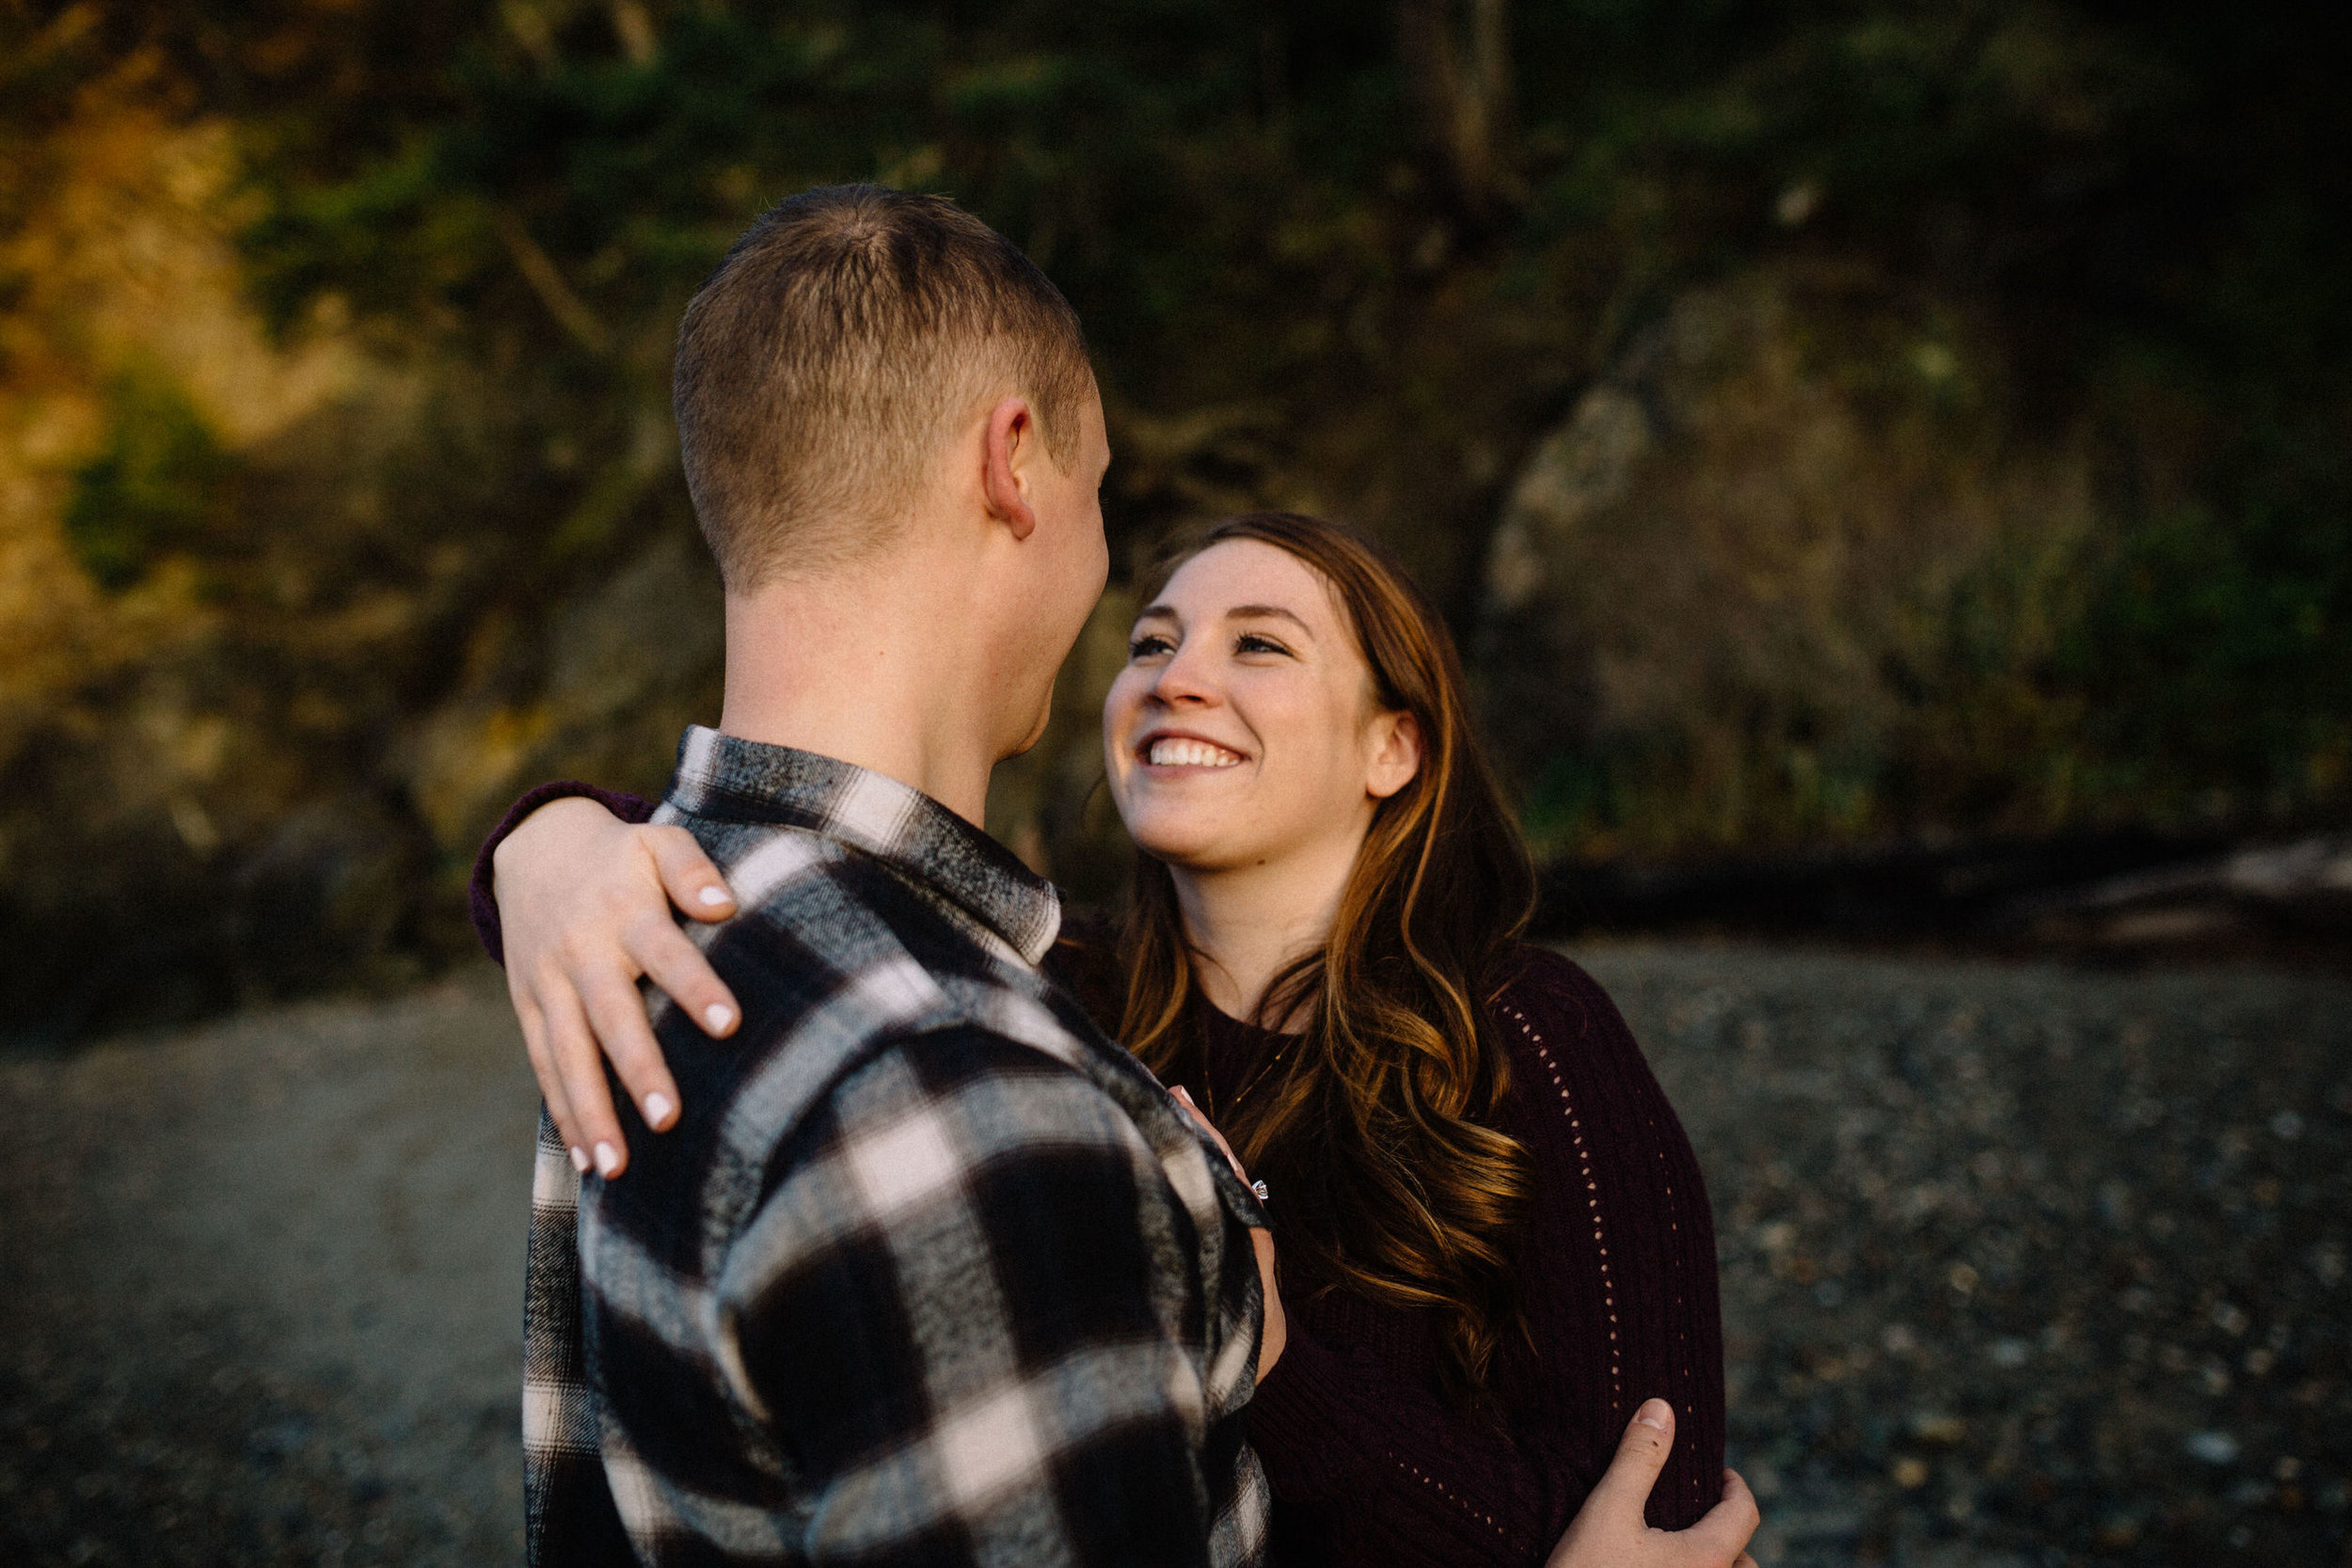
x=1190, y=754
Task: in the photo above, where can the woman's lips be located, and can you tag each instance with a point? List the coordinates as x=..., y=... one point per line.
x=1183, y=751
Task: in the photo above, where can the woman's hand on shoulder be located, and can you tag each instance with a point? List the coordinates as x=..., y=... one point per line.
x=1609, y=1533
x=584, y=901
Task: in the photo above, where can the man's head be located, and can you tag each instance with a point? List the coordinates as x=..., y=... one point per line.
x=849, y=335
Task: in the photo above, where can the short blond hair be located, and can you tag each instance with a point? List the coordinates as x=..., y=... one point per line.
x=822, y=363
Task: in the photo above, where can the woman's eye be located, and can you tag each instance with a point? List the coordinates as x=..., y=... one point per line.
x=1250, y=642
x=1150, y=645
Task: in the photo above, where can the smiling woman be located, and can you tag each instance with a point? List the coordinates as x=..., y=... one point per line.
x=1492, y=1233
x=1300, y=886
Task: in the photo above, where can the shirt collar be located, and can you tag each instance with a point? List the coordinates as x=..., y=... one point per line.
x=728, y=778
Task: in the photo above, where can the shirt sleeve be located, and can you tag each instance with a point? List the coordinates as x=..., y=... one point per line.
x=1004, y=1284
x=483, y=894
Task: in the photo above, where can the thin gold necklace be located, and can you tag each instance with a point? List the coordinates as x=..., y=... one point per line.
x=1243, y=1093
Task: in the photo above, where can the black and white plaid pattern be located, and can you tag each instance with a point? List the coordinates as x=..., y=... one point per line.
x=929, y=1271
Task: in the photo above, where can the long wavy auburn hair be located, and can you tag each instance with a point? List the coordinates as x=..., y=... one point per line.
x=1373, y=1129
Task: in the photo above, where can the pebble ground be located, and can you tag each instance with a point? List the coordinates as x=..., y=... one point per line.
x=2022, y=1265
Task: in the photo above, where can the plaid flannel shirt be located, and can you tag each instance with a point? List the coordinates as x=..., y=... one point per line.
x=929, y=1271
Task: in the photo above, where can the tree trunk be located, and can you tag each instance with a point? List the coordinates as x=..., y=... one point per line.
x=1459, y=75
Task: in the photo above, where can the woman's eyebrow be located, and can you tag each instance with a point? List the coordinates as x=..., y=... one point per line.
x=1268, y=612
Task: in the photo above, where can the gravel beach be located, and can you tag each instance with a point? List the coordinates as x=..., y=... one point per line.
x=2022, y=1265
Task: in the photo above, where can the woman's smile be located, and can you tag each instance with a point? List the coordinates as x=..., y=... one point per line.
x=1173, y=753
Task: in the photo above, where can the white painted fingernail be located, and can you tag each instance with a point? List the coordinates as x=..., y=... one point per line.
x=607, y=1160
x=718, y=1015
x=657, y=1108
x=713, y=897
x=579, y=1160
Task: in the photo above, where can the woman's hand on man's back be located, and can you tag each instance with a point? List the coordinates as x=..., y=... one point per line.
x=584, y=900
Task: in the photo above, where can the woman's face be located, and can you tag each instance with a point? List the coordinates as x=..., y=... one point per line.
x=1244, y=728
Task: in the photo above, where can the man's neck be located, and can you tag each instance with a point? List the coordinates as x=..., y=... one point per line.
x=873, y=669
x=1246, y=922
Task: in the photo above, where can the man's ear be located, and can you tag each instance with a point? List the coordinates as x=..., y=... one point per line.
x=1010, y=441
x=1396, y=754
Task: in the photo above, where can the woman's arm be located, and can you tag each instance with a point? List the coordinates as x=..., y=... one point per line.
x=582, y=904
x=1619, y=1280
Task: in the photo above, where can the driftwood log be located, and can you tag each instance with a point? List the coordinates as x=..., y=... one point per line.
x=2121, y=893
x=2305, y=886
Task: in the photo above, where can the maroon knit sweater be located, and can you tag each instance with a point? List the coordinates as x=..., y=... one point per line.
x=1369, y=1463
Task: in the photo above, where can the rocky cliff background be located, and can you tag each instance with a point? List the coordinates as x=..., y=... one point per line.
x=1832, y=428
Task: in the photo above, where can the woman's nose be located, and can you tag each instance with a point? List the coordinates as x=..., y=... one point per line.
x=1184, y=678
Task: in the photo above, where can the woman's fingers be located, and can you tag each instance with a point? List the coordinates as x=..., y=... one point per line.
x=535, y=1046
x=585, y=901
x=1210, y=1127
x=691, y=882
x=1722, y=1533
x=1624, y=1488
x=1274, y=1331
x=579, y=1069
x=616, y=1009
x=1275, y=1334
x=671, y=960
x=1720, y=1537
x=1609, y=1531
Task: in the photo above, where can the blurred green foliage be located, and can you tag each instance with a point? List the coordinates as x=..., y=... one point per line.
x=1324, y=264
x=1290, y=301
x=161, y=481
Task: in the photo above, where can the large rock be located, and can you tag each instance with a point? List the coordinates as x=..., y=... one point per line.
x=1730, y=596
